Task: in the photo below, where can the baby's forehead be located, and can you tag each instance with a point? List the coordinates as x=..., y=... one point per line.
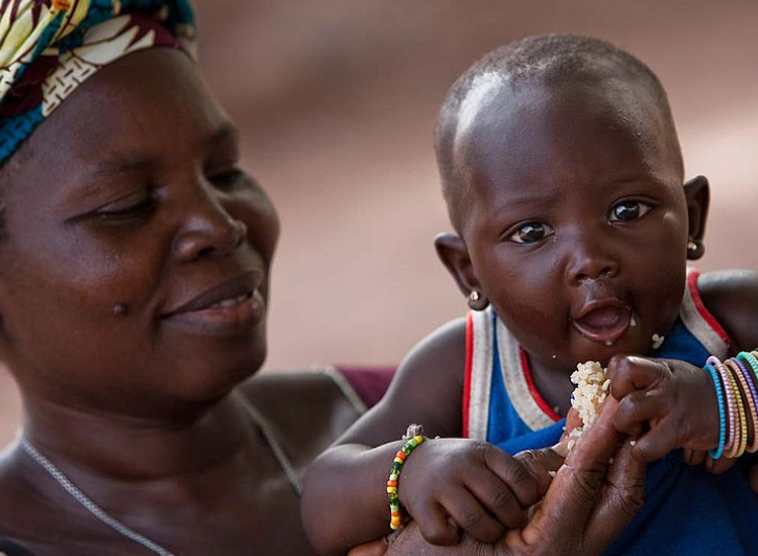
x=592, y=123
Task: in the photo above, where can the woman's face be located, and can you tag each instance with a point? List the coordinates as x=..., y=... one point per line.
x=135, y=257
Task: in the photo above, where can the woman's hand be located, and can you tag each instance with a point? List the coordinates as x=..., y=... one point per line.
x=586, y=507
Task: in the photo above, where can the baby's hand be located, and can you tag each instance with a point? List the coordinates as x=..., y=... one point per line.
x=452, y=484
x=666, y=403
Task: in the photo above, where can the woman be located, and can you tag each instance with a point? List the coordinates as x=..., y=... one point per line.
x=134, y=265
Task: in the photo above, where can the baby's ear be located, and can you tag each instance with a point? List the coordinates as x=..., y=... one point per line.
x=698, y=194
x=453, y=253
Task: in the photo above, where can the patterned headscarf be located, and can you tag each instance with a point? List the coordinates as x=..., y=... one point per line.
x=50, y=47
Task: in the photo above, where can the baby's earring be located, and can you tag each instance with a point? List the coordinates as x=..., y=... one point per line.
x=477, y=301
x=694, y=249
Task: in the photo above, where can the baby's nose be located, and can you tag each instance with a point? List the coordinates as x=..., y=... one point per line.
x=586, y=264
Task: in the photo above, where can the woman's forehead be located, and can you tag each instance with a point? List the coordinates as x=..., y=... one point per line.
x=149, y=104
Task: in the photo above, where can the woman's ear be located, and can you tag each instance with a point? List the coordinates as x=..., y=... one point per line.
x=454, y=255
x=698, y=194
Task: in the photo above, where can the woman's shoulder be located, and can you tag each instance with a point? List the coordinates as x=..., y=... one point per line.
x=732, y=297
x=311, y=408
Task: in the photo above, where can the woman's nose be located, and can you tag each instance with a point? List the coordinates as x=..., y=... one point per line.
x=208, y=230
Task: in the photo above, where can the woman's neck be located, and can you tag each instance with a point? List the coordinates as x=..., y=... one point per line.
x=129, y=448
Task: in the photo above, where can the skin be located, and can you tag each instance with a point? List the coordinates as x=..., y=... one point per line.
x=572, y=198
x=584, y=509
x=143, y=203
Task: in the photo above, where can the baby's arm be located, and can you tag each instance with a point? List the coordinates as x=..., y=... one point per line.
x=678, y=400
x=444, y=482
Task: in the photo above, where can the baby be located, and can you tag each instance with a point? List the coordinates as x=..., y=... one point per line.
x=564, y=182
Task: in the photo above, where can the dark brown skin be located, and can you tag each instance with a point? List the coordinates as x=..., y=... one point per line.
x=584, y=509
x=574, y=197
x=141, y=409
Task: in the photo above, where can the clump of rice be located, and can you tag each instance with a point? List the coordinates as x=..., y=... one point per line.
x=589, y=395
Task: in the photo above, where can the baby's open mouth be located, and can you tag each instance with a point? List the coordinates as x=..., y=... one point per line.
x=603, y=321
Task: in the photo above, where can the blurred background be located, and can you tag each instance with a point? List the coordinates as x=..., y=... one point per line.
x=336, y=100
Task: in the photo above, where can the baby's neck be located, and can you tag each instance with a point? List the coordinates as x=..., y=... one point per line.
x=554, y=386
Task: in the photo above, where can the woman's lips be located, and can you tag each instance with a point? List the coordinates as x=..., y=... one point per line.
x=231, y=307
x=227, y=317
x=603, y=321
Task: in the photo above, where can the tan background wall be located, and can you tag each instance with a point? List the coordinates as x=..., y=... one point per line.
x=336, y=100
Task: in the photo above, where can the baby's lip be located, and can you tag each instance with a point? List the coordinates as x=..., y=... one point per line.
x=603, y=320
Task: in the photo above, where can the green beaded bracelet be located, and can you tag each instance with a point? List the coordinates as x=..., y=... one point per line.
x=396, y=516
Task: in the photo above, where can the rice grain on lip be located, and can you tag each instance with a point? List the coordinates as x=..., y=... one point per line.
x=589, y=395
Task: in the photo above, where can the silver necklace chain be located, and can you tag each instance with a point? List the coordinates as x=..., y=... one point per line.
x=76, y=493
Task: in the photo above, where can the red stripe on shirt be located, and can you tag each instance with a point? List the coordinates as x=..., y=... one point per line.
x=701, y=308
x=467, y=373
x=543, y=405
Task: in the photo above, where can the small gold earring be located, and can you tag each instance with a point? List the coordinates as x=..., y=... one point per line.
x=692, y=245
x=474, y=296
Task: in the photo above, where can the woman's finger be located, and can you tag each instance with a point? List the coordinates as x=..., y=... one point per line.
x=411, y=543
x=375, y=548
x=574, y=496
x=542, y=465
x=620, y=498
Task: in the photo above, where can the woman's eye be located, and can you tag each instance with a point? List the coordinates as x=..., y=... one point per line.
x=624, y=211
x=228, y=179
x=127, y=209
x=532, y=232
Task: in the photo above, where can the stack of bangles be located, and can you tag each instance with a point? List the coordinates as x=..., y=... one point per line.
x=397, y=520
x=736, y=383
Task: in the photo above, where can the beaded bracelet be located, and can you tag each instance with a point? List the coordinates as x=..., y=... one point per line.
x=396, y=517
x=751, y=396
x=731, y=418
x=736, y=383
x=742, y=395
x=748, y=361
x=719, y=451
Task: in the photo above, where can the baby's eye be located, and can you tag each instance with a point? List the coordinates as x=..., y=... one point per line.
x=532, y=232
x=624, y=211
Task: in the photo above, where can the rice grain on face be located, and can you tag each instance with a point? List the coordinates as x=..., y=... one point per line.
x=591, y=390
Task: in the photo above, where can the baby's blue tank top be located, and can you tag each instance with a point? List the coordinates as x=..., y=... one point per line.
x=687, y=511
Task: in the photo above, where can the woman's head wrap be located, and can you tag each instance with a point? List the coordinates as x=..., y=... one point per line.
x=50, y=47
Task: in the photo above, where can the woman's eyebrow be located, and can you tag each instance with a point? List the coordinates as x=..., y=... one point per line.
x=125, y=165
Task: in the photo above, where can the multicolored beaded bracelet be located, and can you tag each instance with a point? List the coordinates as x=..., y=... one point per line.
x=415, y=440
x=731, y=418
x=719, y=451
x=742, y=395
x=736, y=383
x=747, y=360
x=750, y=395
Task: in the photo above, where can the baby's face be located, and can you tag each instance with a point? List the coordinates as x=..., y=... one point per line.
x=576, y=221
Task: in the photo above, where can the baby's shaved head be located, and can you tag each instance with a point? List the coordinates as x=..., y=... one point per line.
x=548, y=61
